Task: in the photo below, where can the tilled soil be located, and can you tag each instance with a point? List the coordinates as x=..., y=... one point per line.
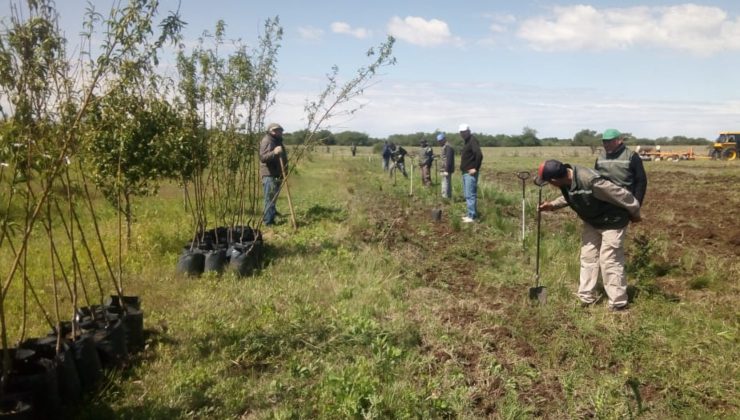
x=692, y=213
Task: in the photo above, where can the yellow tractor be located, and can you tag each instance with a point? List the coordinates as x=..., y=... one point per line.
x=726, y=146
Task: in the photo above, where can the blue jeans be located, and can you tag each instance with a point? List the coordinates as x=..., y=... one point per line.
x=271, y=187
x=470, y=189
x=446, y=186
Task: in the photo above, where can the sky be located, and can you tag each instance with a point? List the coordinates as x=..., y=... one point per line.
x=650, y=68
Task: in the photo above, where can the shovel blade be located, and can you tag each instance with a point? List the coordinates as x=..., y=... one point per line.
x=539, y=294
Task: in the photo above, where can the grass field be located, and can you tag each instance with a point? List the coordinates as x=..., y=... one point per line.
x=371, y=309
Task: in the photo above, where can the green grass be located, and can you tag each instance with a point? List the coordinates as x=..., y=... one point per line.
x=371, y=309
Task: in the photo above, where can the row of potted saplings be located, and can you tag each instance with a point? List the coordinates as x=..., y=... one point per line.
x=238, y=249
x=50, y=374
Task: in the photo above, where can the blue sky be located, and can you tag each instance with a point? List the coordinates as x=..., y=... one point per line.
x=652, y=68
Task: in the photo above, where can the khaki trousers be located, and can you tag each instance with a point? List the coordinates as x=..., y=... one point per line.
x=603, y=250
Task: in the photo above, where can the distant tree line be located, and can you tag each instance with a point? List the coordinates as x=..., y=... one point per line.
x=528, y=137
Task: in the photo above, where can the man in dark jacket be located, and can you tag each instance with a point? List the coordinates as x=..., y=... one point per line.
x=426, y=157
x=273, y=161
x=447, y=163
x=621, y=165
x=398, y=156
x=471, y=158
x=606, y=210
x=386, y=154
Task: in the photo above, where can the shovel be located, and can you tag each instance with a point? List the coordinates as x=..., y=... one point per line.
x=523, y=176
x=538, y=292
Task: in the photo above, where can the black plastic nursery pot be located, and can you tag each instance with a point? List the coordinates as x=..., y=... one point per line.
x=216, y=236
x=241, y=234
x=87, y=361
x=16, y=407
x=216, y=249
x=68, y=380
x=34, y=380
x=110, y=341
x=133, y=319
x=120, y=301
x=245, y=257
x=215, y=260
x=192, y=262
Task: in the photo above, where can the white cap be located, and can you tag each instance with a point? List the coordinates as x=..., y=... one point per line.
x=464, y=127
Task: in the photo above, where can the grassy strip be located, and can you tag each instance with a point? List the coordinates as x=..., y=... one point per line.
x=371, y=309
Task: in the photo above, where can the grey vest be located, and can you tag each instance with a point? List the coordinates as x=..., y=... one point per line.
x=617, y=168
x=597, y=213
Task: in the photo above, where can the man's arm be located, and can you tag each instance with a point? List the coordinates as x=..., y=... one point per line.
x=450, y=160
x=610, y=192
x=266, y=154
x=639, y=177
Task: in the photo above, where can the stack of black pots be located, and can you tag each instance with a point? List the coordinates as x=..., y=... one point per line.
x=49, y=375
x=238, y=249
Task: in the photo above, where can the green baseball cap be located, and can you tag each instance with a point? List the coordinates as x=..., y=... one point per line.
x=610, y=134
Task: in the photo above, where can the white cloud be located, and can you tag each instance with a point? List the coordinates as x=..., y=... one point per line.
x=701, y=30
x=310, y=33
x=500, y=23
x=345, y=28
x=496, y=108
x=422, y=32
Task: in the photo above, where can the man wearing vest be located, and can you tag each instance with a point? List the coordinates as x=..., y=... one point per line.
x=447, y=163
x=606, y=209
x=621, y=165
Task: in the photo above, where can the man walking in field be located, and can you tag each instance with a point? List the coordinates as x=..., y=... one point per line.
x=606, y=209
x=447, y=165
x=621, y=165
x=426, y=157
x=471, y=158
x=273, y=162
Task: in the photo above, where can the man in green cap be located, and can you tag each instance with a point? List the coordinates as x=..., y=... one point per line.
x=621, y=165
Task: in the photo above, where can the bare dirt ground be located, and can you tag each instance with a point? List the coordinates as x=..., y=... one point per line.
x=697, y=213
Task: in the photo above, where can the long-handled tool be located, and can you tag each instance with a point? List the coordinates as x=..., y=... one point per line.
x=436, y=172
x=287, y=194
x=538, y=292
x=524, y=175
x=411, y=185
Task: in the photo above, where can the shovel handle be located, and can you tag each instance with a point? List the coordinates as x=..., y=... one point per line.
x=539, y=223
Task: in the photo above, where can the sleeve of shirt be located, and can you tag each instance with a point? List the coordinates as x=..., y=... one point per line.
x=640, y=178
x=478, y=156
x=450, y=160
x=265, y=152
x=605, y=190
x=559, y=203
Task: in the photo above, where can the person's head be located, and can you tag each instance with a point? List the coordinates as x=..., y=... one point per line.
x=611, y=140
x=424, y=143
x=441, y=138
x=464, y=130
x=275, y=130
x=554, y=172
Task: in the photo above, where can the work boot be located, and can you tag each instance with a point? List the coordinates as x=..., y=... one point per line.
x=619, y=309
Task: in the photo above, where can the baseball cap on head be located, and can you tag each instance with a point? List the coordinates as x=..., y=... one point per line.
x=549, y=170
x=274, y=126
x=464, y=127
x=610, y=134
x=441, y=136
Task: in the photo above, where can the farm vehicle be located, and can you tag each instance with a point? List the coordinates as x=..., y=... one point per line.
x=649, y=153
x=725, y=147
